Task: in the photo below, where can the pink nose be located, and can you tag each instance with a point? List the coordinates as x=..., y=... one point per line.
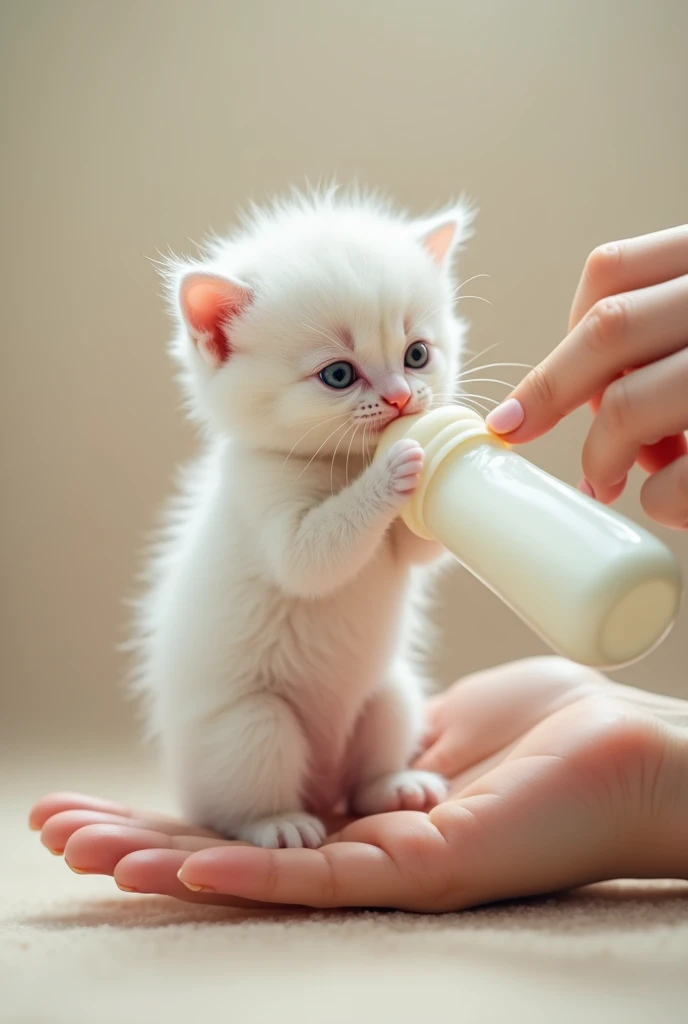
x=398, y=398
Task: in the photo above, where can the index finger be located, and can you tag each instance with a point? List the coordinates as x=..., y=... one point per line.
x=618, y=334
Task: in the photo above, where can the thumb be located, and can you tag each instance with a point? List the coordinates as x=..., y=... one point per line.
x=526, y=830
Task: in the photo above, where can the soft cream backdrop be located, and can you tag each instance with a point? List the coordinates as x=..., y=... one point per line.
x=133, y=126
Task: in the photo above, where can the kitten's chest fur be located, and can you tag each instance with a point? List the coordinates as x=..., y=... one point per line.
x=324, y=656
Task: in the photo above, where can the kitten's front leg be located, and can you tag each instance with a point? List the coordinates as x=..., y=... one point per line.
x=387, y=737
x=317, y=552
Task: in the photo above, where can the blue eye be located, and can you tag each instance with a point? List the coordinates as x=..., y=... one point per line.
x=338, y=375
x=417, y=355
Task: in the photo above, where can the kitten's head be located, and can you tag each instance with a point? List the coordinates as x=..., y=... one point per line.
x=321, y=322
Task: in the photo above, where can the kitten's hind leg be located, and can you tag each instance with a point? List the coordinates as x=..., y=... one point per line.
x=242, y=773
x=388, y=735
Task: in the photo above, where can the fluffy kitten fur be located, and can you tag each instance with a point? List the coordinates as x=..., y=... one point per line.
x=274, y=635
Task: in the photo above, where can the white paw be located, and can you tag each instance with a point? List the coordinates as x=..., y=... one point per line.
x=401, y=468
x=284, y=831
x=401, y=791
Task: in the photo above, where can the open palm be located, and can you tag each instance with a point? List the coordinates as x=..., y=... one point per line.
x=560, y=778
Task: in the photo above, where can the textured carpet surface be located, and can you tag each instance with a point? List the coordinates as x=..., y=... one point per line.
x=76, y=949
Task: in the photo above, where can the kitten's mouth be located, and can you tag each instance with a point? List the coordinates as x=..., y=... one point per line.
x=377, y=426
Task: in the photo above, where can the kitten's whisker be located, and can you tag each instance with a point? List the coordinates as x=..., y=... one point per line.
x=325, y=334
x=474, y=402
x=452, y=396
x=320, y=330
x=416, y=324
x=470, y=394
x=468, y=281
x=443, y=387
x=460, y=395
x=334, y=456
x=468, y=400
x=431, y=311
x=487, y=380
x=448, y=399
x=316, y=453
x=348, y=453
x=314, y=427
x=366, y=458
x=480, y=297
x=490, y=366
x=428, y=312
x=484, y=352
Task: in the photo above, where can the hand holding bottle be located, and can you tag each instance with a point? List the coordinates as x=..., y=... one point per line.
x=627, y=354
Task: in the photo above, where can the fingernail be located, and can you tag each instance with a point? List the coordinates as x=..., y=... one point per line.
x=55, y=852
x=506, y=417
x=194, y=888
x=125, y=888
x=34, y=828
x=77, y=871
x=585, y=488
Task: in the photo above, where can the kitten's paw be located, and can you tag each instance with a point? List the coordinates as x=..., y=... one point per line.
x=284, y=831
x=401, y=468
x=401, y=791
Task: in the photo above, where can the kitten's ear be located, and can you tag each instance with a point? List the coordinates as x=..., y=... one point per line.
x=441, y=236
x=208, y=304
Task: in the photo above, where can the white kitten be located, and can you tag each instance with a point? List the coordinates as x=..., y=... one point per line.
x=275, y=633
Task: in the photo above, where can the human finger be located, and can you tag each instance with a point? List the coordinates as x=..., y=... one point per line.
x=637, y=410
x=629, y=264
x=97, y=849
x=58, y=829
x=154, y=872
x=664, y=496
x=622, y=332
x=54, y=803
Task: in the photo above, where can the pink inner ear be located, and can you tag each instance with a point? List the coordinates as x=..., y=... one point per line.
x=439, y=241
x=209, y=303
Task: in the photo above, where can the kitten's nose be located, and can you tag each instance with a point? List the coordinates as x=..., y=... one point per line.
x=398, y=397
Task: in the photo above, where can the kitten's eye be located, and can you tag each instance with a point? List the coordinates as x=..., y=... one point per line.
x=417, y=355
x=338, y=375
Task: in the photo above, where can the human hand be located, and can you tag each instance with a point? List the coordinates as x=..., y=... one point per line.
x=561, y=778
x=627, y=354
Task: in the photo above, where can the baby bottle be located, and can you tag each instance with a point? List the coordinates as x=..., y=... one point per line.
x=593, y=585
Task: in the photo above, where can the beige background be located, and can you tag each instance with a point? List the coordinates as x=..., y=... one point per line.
x=129, y=127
